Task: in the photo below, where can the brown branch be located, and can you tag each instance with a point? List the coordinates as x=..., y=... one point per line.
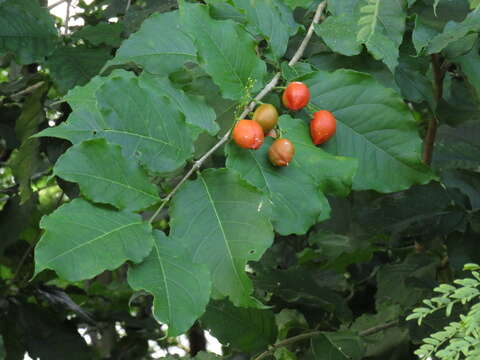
x=55, y=4
x=67, y=16
x=378, y=328
x=28, y=90
x=269, y=87
x=309, y=335
x=428, y=142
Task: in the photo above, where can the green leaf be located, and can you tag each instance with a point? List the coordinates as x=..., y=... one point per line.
x=381, y=25
x=469, y=66
x=474, y=3
x=414, y=86
x=23, y=162
x=245, y=329
x=223, y=222
x=305, y=286
x=396, y=283
x=423, y=33
x=25, y=159
x=103, y=33
x=468, y=182
x=454, y=31
x=457, y=147
x=341, y=345
x=82, y=240
x=334, y=174
x=339, y=35
x=82, y=97
x=82, y=125
x=26, y=30
x=85, y=120
x=72, y=66
x=180, y=288
x=264, y=17
x=297, y=201
x=231, y=67
x=298, y=3
x=375, y=126
x=160, y=46
x=147, y=126
x=15, y=218
x=105, y=176
x=195, y=109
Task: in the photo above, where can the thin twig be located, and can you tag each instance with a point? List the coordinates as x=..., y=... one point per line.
x=129, y=2
x=311, y=334
x=303, y=45
x=269, y=87
x=429, y=141
x=22, y=261
x=67, y=16
x=378, y=328
x=28, y=90
x=55, y=4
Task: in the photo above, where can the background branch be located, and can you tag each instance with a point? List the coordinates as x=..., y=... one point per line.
x=429, y=141
x=269, y=87
x=311, y=334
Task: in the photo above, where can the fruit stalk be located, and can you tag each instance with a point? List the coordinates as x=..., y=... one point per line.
x=269, y=87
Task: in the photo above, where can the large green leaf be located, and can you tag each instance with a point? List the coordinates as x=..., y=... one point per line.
x=246, y=329
x=373, y=125
x=339, y=34
x=341, y=345
x=72, y=66
x=103, y=33
x=454, y=31
x=160, y=46
x=105, y=176
x=82, y=240
x=380, y=27
x=334, y=174
x=231, y=67
x=180, y=288
x=264, y=17
x=26, y=30
x=147, y=126
x=222, y=221
x=197, y=112
x=297, y=201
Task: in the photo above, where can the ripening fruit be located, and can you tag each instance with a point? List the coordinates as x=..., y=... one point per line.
x=248, y=134
x=296, y=96
x=281, y=152
x=322, y=126
x=266, y=116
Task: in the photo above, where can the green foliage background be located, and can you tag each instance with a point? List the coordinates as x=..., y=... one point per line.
x=324, y=258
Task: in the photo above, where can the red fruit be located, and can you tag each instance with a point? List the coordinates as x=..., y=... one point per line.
x=248, y=134
x=322, y=126
x=296, y=96
x=266, y=116
x=281, y=152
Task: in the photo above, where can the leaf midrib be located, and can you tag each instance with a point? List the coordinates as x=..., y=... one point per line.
x=90, y=242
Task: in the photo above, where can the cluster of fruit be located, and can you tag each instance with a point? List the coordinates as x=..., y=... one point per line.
x=249, y=134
